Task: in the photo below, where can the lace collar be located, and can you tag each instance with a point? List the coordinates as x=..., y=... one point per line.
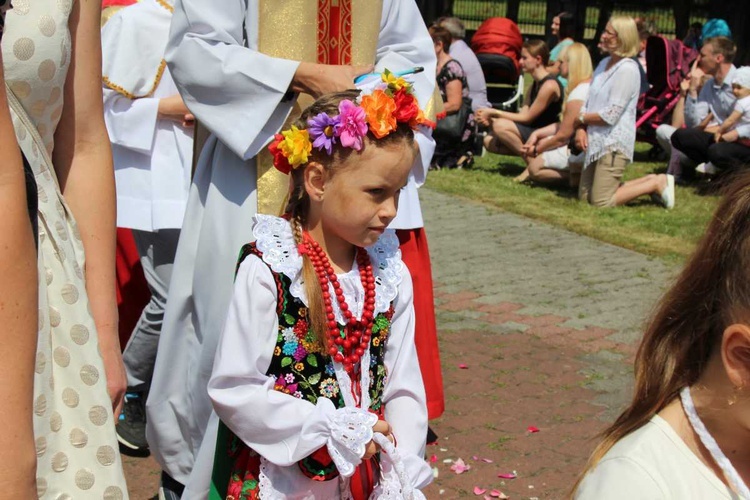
x=274, y=238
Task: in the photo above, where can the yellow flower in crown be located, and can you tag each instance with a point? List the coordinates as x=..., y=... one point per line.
x=379, y=108
x=395, y=83
x=295, y=146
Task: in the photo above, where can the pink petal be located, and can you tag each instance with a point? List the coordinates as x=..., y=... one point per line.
x=433, y=458
x=487, y=497
x=487, y=460
x=459, y=467
x=498, y=494
x=475, y=457
x=532, y=429
x=479, y=491
x=463, y=366
x=507, y=475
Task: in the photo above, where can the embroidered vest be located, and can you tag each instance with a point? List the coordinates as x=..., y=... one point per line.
x=302, y=369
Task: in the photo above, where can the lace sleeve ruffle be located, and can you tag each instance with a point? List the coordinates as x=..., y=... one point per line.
x=612, y=113
x=351, y=430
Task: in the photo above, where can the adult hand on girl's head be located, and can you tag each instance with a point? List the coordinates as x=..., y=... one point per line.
x=321, y=79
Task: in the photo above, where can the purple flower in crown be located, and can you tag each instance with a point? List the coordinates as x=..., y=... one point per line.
x=322, y=130
x=352, y=125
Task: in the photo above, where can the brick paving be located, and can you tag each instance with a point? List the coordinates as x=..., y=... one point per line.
x=538, y=327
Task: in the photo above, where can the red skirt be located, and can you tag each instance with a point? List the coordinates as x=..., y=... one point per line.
x=132, y=290
x=416, y=256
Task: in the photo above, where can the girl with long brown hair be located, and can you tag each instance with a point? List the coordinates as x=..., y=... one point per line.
x=686, y=433
x=316, y=369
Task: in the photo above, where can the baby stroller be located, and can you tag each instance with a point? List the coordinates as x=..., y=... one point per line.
x=668, y=63
x=497, y=44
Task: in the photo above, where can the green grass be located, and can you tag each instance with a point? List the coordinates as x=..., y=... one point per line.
x=640, y=226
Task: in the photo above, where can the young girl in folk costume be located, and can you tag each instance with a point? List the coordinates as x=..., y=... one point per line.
x=316, y=379
x=686, y=433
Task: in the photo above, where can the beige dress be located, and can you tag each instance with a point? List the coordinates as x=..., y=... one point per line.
x=73, y=425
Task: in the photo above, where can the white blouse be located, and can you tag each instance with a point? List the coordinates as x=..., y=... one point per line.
x=284, y=429
x=652, y=463
x=613, y=95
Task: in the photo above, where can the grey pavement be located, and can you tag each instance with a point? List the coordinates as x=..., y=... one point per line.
x=548, y=270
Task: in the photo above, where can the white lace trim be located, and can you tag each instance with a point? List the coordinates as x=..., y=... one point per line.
x=351, y=430
x=274, y=238
x=266, y=491
x=394, y=482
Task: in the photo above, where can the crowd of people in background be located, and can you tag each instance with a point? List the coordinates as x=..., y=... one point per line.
x=91, y=144
x=706, y=133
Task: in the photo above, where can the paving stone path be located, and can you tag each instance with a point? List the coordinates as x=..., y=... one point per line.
x=538, y=327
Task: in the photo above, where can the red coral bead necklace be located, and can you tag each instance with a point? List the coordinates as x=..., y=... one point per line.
x=348, y=348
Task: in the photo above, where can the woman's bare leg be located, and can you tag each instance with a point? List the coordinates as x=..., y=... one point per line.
x=650, y=184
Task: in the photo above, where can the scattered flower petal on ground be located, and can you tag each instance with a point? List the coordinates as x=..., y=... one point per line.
x=459, y=467
x=433, y=459
x=463, y=366
x=479, y=491
x=532, y=429
x=507, y=475
x=498, y=494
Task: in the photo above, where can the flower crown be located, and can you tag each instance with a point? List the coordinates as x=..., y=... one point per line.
x=390, y=103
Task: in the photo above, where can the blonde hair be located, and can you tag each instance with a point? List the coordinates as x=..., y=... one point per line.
x=627, y=36
x=580, y=67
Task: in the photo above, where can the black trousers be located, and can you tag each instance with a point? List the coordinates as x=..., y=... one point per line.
x=700, y=147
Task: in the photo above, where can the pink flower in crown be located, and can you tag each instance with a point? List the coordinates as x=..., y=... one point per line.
x=352, y=125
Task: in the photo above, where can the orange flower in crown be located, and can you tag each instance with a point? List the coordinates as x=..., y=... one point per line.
x=379, y=108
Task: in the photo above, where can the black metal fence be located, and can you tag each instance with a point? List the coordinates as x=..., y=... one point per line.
x=533, y=16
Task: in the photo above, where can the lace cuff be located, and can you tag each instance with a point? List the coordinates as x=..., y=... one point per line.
x=351, y=430
x=612, y=113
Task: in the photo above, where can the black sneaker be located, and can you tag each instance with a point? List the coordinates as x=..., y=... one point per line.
x=131, y=428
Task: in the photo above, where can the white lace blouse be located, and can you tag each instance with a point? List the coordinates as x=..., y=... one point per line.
x=284, y=429
x=613, y=95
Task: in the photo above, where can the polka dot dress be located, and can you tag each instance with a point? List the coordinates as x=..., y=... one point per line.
x=76, y=443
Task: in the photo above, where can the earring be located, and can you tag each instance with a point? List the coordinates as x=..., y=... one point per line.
x=735, y=395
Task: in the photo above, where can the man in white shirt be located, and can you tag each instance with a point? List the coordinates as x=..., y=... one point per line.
x=716, y=97
x=461, y=52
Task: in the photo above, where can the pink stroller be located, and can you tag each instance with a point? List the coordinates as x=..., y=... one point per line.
x=668, y=63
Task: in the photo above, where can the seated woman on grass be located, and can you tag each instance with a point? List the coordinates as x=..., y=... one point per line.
x=548, y=157
x=509, y=131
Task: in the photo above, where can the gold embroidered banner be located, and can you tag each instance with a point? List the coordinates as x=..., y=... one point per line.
x=317, y=32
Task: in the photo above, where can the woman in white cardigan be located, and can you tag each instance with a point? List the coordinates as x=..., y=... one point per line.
x=608, y=118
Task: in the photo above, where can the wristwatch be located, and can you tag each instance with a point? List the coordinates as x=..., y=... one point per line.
x=581, y=118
